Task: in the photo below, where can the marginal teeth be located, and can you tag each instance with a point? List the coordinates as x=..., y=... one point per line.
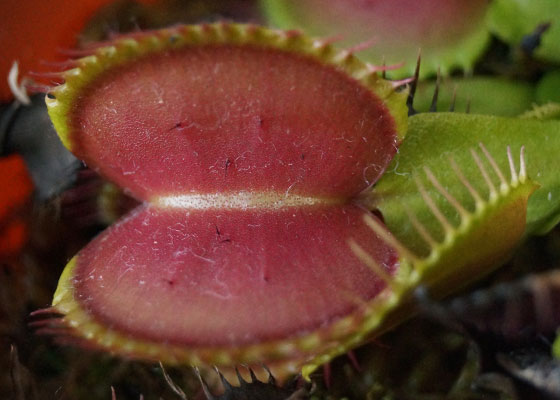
x=478, y=200
x=362, y=46
x=172, y=384
x=503, y=183
x=368, y=260
x=401, y=82
x=522, y=166
x=382, y=232
x=420, y=228
x=452, y=200
x=20, y=89
x=514, y=178
x=205, y=389
x=447, y=226
x=484, y=173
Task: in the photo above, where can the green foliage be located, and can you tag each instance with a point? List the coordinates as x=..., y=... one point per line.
x=439, y=255
x=451, y=34
x=481, y=94
x=433, y=138
x=510, y=20
x=548, y=88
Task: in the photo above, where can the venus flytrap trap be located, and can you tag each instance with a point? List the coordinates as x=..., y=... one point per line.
x=451, y=33
x=446, y=261
x=434, y=137
x=247, y=148
x=253, y=154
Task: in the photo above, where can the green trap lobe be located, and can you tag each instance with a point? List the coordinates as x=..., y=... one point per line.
x=450, y=33
x=435, y=138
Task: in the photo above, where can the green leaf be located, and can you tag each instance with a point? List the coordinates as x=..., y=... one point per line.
x=548, y=88
x=483, y=95
x=473, y=241
x=433, y=138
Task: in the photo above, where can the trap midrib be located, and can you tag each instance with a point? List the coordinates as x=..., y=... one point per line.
x=243, y=200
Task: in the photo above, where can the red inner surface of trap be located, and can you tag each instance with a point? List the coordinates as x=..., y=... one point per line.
x=225, y=119
x=220, y=277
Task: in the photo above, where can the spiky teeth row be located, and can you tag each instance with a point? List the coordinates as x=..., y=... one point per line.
x=503, y=197
x=481, y=240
